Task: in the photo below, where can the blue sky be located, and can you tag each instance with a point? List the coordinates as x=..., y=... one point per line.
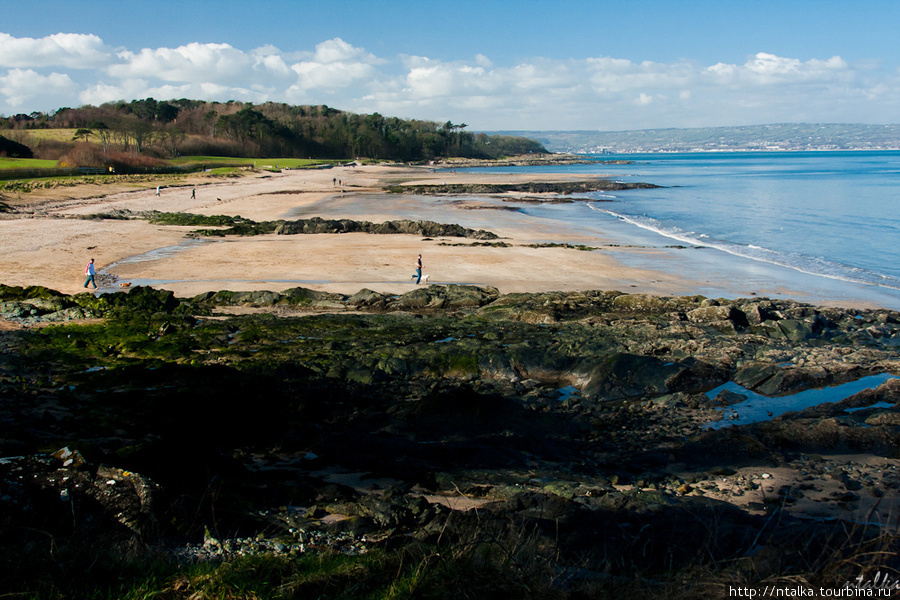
x=494, y=65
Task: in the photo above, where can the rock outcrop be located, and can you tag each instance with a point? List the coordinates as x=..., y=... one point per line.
x=348, y=422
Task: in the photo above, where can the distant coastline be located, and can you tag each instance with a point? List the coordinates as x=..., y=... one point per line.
x=795, y=137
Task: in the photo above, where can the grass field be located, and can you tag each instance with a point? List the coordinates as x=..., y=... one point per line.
x=211, y=161
x=26, y=163
x=55, y=135
x=259, y=163
x=33, y=137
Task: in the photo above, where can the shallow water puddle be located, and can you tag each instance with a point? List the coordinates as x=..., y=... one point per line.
x=757, y=408
x=567, y=392
x=161, y=253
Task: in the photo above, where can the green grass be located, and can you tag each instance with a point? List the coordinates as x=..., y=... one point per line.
x=259, y=163
x=26, y=163
x=214, y=162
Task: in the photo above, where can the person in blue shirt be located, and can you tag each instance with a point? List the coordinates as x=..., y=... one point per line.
x=89, y=272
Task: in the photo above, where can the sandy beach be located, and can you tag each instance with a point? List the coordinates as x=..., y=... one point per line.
x=48, y=237
x=47, y=241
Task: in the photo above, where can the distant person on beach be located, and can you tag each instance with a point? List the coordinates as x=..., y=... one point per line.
x=157, y=190
x=418, y=274
x=89, y=272
x=193, y=194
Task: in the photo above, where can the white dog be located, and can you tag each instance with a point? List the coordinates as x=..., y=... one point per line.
x=424, y=278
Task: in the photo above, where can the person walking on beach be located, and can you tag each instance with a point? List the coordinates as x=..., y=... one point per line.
x=193, y=193
x=418, y=269
x=157, y=191
x=89, y=272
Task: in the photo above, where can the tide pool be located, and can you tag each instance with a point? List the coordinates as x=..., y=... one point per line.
x=757, y=408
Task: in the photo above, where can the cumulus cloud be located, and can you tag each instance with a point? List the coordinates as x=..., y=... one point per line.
x=19, y=86
x=71, y=50
x=139, y=88
x=194, y=62
x=768, y=69
x=335, y=64
x=540, y=93
x=431, y=79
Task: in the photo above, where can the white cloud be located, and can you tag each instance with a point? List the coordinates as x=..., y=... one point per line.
x=337, y=50
x=330, y=76
x=100, y=93
x=192, y=62
x=72, y=50
x=540, y=93
x=483, y=61
x=769, y=69
x=335, y=64
x=139, y=88
x=614, y=93
x=19, y=86
x=434, y=79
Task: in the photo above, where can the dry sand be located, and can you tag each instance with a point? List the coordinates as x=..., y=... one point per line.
x=43, y=243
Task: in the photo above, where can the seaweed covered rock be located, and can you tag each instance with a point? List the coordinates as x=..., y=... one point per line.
x=318, y=225
x=137, y=300
x=229, y=298
x=448, y=297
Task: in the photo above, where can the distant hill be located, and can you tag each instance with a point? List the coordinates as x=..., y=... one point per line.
x=783, y=136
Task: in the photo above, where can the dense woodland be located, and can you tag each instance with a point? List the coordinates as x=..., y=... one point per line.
x=167, y=129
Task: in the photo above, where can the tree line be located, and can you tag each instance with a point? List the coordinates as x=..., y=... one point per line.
x=166, y=129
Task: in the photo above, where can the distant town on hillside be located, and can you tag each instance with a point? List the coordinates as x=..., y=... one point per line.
x=784, y=136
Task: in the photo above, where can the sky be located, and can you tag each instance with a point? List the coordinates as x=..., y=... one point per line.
x=493, y=65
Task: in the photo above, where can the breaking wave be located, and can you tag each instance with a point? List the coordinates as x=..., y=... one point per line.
x=810, y=265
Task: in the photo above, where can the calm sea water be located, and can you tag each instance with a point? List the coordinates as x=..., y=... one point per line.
x=827, y=223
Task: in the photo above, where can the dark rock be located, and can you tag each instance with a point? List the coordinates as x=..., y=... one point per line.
x=727, y=397
x=795, y=330
x=563, y=187
x=758, y=312
x=696, y=376
x=317, y=225
x=444, y=297
x=794, y=379
x=713, y=314
x=70, y=498
x=356, y=526
x=754, y=375
x=628, y=375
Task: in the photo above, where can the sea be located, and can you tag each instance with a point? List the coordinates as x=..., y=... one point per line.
x=821, y=227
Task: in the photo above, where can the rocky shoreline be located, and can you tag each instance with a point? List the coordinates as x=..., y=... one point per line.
x=286, y=423
x=563, y=188
x=525, y=160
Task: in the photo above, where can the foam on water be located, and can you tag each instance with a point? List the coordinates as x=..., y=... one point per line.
x=810, y=265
